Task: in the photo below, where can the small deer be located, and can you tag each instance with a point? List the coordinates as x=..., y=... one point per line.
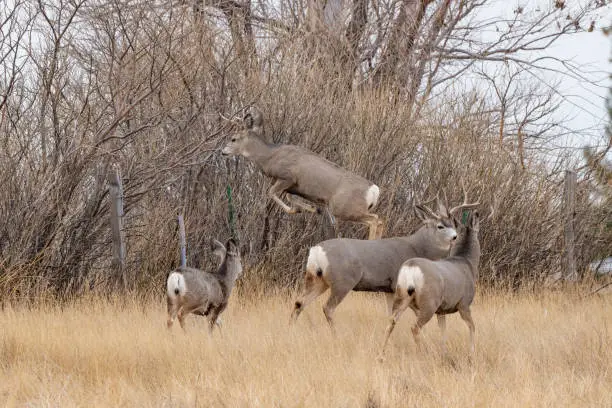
x=440, y=287
x=191, y=290
x=345, y=265
x=300, y=172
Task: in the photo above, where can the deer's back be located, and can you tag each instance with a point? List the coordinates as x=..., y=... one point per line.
x=315, y=177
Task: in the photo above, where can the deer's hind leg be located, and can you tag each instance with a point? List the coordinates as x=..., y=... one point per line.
x=336, y=296
x=397, y=306
x=374, y=226
x=423, y=316
x=181, y=316
x=185, y=309
x=314, y=286
x=172, y=312
x=380, y=229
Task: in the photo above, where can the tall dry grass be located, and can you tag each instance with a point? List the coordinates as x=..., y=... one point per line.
x=551, y=349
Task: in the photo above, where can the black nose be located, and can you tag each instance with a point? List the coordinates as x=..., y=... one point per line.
x=454, y=238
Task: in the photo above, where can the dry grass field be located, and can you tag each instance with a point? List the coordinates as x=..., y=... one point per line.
x=552, y=349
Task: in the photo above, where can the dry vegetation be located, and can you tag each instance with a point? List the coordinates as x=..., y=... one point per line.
x=409, y=94
x=550, y=349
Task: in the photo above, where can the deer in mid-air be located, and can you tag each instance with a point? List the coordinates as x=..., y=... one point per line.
x=440, y=287
x=191, y=290
x=300, y=172
x=345, y=265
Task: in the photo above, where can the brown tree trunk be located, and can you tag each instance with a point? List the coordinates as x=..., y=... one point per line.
x=409, y=20
x=428, y=46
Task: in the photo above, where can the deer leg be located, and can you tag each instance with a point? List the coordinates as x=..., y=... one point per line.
x=298, y=203
x=313, y=288
x=332, y=222
x=442, y=326
x=422, y=319
x=337, y=295
x=380, y=229
x=390, y=298
x=371, y=220
x=181, y=317
x=214, y=315
x=398, y=306
x=184, y=311
x=372, y=233
x=466, y=315
x=279, y=187
x=172, y=310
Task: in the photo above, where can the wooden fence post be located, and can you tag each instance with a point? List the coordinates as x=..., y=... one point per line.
x=116, y=221
x=182, y=241
x=569, y=211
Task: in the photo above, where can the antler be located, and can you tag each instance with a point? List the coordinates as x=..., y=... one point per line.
x=233, y=119
x=465, y=204
x=253, y=119
x=442, y=207
x=428, y=210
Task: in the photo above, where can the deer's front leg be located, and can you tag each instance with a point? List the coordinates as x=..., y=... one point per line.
x=277, y=189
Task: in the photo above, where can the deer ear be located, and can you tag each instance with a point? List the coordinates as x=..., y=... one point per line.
x=248, y=120
x=232, y=246
x=256, y=121
x=420, y=212
x=218, y=249
x=475, y=220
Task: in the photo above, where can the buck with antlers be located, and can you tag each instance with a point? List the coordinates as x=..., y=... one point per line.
x=440, y=287
x=298, y=171
x=344, y=265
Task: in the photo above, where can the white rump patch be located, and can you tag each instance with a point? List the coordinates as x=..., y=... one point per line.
x=410, y=276
x=176, y=282
x=317, y=259
x=372, y=195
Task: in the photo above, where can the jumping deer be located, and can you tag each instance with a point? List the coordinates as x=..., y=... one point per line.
x=440, y=287
x=300, y=172
x=191, y=290
x=345, y=265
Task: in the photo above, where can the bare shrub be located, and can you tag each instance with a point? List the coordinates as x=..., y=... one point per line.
x=148, y=87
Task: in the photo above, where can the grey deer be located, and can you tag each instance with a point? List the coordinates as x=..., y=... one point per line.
x=345, y=265
x=298, y=171
x=440, y=287
x=191, y=290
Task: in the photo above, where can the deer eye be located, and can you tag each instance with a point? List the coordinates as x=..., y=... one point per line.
x=234, y=139
x=440, y=226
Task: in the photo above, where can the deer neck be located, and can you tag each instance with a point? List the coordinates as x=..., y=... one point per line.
x=468, y=247
x=421, y=243
x=229, y=271
x=259, y=151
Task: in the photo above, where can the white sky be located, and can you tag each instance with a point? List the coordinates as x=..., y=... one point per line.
x=584, y=104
